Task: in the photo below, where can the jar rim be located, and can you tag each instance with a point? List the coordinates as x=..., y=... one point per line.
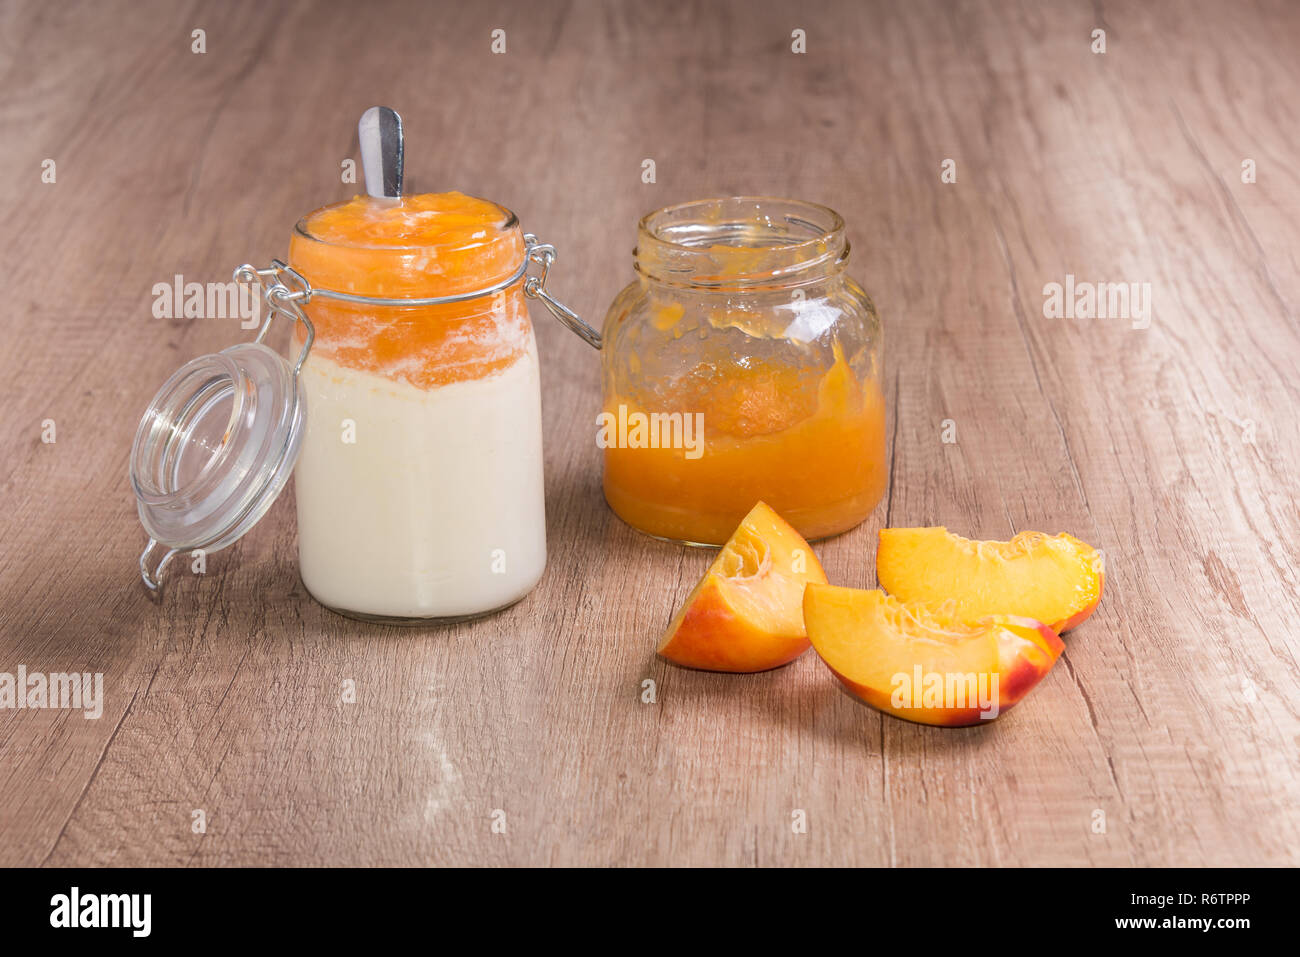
x=790, y=239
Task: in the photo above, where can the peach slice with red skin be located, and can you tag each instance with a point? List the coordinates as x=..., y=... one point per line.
x=746, y=614
x=921, y=663
x=1055, y=579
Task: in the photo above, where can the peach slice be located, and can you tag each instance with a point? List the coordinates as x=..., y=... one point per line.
x=1053, y=579
x=918, y=662
x=746, y=614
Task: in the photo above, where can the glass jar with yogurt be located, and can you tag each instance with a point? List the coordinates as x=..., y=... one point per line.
x=412, y=413
x=419, y=485
x=410, y=417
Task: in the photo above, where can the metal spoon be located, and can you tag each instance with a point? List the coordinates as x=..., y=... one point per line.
x=380, y=131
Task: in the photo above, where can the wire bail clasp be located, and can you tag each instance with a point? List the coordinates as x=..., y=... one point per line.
x=283, y=298
x=153, y=579
x=543, y=254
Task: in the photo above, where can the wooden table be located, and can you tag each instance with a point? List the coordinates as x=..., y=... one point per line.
x=1173, y=718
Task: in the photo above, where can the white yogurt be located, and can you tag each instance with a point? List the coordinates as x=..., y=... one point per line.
x=435, y=507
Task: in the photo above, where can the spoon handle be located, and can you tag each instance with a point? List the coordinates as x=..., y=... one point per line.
x=380, y=131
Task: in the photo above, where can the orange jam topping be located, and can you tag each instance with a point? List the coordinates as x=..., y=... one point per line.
x=417, y=247
x=809, y=443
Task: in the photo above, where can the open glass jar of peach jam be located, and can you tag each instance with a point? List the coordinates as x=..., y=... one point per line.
x=742, y=365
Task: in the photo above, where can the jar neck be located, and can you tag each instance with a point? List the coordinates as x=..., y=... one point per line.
x=741, y=243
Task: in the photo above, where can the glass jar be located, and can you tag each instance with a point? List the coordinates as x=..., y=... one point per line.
x=419, y=485
x=410, y=419
x=742, y=365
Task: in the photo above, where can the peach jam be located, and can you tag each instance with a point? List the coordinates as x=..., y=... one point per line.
x=743, y=365
x=419, y=485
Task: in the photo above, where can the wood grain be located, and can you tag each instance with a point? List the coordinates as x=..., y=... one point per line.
x=1175, y=448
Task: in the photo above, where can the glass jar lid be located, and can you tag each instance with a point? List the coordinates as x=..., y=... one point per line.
x=221, y=437
x=214, y=449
